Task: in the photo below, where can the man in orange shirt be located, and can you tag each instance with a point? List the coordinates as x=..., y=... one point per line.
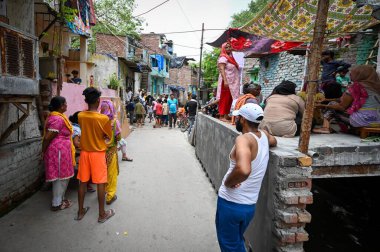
x=96, y=131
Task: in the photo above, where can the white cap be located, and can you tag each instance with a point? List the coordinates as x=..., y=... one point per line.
x=251, y=112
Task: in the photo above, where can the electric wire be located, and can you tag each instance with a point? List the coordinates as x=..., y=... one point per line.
x=151, y=9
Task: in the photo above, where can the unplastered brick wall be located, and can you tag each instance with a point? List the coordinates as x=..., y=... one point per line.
x=180, y=76
x=359, y=49
x=278, y=67
x=151, y=42
x=114, y=45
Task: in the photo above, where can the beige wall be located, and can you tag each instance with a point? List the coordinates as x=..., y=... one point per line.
x=104, y=67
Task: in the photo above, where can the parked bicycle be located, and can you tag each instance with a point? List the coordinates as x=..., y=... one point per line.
x=184, y=124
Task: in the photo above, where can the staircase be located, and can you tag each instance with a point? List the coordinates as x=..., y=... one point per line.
x=144, y=79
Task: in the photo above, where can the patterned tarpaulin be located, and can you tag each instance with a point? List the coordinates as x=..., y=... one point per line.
x=293, y=20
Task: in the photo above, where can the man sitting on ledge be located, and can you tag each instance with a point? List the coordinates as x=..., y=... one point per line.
x=241, y=185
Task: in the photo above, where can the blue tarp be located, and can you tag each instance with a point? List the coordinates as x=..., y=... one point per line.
x=160, y=61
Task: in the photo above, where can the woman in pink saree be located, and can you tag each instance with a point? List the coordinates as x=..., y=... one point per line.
x=228, y=82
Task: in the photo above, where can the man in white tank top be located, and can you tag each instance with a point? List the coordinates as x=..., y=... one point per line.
x=240, y=188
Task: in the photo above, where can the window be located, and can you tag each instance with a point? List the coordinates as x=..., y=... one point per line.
x=154, y=62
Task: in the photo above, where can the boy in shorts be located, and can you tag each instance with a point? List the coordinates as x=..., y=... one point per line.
x=96, y=130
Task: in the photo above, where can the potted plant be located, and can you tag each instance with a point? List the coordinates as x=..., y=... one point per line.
x=114, y=82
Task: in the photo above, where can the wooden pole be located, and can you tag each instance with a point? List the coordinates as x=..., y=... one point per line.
x=313, y=73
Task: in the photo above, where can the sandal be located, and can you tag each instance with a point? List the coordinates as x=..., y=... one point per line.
x=107, y=215
x=79, y=217
x=65, y=204
x=112, y=200
x=127, y=159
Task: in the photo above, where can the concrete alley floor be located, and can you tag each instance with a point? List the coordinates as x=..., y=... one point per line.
x=165, y=203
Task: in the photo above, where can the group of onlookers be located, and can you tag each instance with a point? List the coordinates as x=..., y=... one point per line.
x=351, y=98
x=164, y=110
x=96, y=135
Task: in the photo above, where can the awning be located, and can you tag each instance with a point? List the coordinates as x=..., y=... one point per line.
x=177, y=88
x=293, y=20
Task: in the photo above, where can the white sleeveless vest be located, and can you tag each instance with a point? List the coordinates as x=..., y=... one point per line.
x=248, y=192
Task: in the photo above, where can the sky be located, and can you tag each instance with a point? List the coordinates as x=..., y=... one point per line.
x=185, y=15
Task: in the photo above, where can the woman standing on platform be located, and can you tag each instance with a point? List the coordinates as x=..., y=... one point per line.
x=58, y=152
x=228, y=82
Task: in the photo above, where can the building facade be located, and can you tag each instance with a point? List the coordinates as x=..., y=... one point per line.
x=159, y=51
x=20, y=142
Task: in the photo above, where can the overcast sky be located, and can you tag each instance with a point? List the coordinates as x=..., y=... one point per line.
x=184, y=15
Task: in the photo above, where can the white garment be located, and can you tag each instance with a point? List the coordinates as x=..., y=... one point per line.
x=248, y=192
x=59, y=190
x=129, y=96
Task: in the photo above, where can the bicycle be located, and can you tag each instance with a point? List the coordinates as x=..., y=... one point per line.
x=184, y=124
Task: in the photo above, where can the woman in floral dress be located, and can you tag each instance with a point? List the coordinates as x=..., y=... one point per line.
x=58, y=152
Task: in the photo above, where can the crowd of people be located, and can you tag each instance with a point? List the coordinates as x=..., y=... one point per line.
x=163, y=111
x=348, y=97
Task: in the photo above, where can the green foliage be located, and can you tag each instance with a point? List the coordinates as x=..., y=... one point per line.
x=114, y=82
x=243, y=17
x=210, y=67
x=69, y=13
x=75, y=43
x=116, y=16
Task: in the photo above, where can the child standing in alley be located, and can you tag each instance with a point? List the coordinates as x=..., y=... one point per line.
x=158, y=113
x=96, y=129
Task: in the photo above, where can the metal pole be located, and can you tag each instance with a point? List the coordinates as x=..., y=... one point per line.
x=200, y=66
x=313, y=73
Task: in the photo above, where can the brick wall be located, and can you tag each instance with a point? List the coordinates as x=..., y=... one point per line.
x=152, y=41
x=110, y=44
x=180, y=76
x=21, y=172
x=359, y=50
x=282, y=66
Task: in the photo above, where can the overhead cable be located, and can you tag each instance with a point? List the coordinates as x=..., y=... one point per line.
x=151, y=9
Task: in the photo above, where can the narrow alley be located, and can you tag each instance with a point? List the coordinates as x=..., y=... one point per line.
x=165, y=203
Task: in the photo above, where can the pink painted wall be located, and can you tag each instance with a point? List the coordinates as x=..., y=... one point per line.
x=75, y=99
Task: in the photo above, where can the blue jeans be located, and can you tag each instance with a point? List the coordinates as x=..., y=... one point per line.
x=231, y=221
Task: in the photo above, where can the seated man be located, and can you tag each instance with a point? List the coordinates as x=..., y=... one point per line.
x=250, y=92
x=75, y=79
